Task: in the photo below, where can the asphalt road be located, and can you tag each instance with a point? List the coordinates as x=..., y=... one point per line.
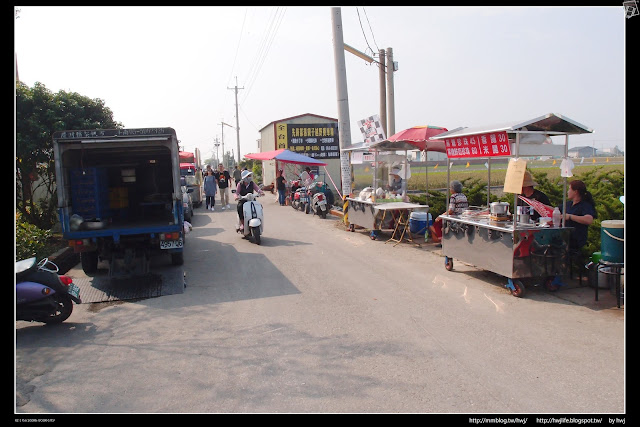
x=321, y=320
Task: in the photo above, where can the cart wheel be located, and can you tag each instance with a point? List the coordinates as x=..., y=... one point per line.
x=519, y=289
x=548, y=284
x=448, y=263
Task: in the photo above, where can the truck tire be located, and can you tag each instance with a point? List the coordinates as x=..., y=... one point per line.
x=177, y=258
x=89, y=261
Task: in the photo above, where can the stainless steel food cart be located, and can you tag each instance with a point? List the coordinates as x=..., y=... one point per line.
x=507, y=247
x=523, y=251
x=380, y=216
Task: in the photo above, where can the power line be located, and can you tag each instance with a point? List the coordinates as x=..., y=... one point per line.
x=370, y=29
x=238, y=46
x=272, y=30
x=363, y=34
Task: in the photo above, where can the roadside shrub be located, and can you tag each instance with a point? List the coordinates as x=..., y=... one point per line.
x=31, y=241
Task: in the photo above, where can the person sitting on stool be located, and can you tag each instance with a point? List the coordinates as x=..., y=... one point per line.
x=457, y=203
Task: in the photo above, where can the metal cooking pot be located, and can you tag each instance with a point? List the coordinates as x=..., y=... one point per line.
x=499, y=208
x=524, y=213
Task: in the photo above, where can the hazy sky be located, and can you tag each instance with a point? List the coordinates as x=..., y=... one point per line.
x=457, y=66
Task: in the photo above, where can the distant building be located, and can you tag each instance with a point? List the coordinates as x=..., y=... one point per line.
x=613, y=152
x=309, y=134
x=583, y=152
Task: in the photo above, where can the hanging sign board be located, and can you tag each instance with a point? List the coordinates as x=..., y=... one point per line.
x=492, y=144
x=371, y=129
x=515, y=175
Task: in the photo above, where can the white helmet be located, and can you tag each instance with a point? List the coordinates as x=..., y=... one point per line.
x=246, y=176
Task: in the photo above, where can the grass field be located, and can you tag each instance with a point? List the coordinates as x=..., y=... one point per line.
x=438, y=175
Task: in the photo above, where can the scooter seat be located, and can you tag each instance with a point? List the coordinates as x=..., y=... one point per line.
x=25, y=266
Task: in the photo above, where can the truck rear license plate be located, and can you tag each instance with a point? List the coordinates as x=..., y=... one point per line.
x=170, y=244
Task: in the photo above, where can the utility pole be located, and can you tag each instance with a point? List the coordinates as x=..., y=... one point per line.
x=383, y=93
x=344, y=124
x=237, y=118
x=391, y=115
x=217, y=144
x=222, y=125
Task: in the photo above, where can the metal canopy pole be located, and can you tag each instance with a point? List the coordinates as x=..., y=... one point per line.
x=404, y=181
x=426, y=178
x=375, y=174
x=564, y=188
x=448, y=185
x=488, y=181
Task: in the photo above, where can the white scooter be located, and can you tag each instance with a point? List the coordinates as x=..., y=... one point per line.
x=253, y=218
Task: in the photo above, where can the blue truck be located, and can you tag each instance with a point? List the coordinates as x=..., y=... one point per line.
x=120, y=198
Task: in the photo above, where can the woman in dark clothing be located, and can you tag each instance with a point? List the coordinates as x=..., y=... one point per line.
x=581, y=212
x=280, y=185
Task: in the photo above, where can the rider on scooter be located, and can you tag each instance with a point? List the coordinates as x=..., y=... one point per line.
x=245, y=186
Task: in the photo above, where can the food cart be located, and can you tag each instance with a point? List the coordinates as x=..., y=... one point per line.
x=377, y=214
x=501, y=243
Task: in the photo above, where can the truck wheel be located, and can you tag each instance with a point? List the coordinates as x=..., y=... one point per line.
x=89, y=261
x=177, y=258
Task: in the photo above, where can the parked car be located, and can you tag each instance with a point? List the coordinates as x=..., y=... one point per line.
x=187, y=200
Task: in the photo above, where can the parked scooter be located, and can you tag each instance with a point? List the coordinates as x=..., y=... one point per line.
x=294, y=194
x=253, y=218
x=301, y=197
x=318, y=204
x=41, y=294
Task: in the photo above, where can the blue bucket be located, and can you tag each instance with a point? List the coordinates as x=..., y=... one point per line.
x=418, y=223
x=612, y=240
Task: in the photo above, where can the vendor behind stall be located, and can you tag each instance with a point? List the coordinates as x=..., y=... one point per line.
x=395, y=182
x=533, y=194
x=581, y=212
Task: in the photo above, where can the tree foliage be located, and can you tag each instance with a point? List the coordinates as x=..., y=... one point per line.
x=39, y=113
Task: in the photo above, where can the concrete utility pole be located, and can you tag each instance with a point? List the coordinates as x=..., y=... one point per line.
x=237, y=118
x=344, y=124
x=222, y=125
x=383, y=92
x=391, y=115
x=217, y=144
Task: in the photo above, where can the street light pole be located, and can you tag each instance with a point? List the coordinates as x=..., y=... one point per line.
x=217, y=144
x=222, y=125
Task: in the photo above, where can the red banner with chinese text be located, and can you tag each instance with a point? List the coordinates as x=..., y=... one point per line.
x=492, y=144
x=541, y=208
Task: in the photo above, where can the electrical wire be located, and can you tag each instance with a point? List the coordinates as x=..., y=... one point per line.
x=263, y=51
x=370, y=29
x=363, y=34
x=238, y=46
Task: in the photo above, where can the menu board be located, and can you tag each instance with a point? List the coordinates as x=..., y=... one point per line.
x=492, y=144
x=515, y=175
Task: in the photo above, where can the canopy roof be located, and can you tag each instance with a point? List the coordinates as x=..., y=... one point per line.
x=549, y=124
x=285, y=156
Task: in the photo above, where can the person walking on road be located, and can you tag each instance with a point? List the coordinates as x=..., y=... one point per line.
x=223, y=178
x=210, y=188
x=237, y=175
x=280, y=185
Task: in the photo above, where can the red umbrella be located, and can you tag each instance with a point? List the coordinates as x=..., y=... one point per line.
x=418, y=136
